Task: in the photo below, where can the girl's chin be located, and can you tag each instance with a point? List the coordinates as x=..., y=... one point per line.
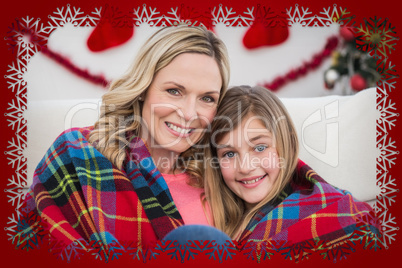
x=250, y=206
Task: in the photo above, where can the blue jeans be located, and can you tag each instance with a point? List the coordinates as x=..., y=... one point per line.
x=185, y=233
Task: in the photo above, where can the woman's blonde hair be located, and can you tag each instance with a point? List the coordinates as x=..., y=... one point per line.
x=228, y=210
x=121, y=109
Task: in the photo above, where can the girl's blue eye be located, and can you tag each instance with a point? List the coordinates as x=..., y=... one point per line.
x=229, y=154
x=173, y=91
x=260, y=148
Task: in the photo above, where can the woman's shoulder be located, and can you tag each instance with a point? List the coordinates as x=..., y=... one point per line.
x=75, y=132
x=77, y=135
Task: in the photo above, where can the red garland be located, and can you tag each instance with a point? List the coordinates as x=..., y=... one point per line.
x=96, y=79
x=277, y=83
x=306, y=67
x=41, y=43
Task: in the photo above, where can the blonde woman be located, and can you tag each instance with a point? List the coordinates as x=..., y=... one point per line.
x=261, y=190
x=135, y=175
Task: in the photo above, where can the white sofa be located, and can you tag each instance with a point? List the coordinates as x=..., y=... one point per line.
x=337, y=135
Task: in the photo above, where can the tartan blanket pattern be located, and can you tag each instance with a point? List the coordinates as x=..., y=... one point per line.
x=83, y=197
x=76, y=191
x=309, y=210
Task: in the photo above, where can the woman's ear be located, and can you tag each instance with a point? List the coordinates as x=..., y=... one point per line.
x=141, y=97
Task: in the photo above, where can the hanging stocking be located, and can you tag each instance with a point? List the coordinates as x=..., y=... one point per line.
x=111, y=31
x=259, y=35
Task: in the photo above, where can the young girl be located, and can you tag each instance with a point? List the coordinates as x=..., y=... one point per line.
x=265, y=191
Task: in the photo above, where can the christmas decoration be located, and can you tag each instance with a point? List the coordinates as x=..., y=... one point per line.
x=356, y=68
x=113, y=29
x=96, y=79
x=268, y=28
x=107, y=35
x=331, y=76
x=306, y=67
x=259, y=35
x=358, y=82
x=346, y=34
x=36, y=40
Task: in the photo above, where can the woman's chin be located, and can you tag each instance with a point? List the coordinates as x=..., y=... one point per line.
x=177, y=147
x=178, y=144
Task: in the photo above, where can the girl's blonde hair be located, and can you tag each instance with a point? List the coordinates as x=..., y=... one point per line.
x=121, y=108
x=228, y=210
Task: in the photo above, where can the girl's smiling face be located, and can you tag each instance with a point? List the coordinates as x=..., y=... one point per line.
x=248, y=160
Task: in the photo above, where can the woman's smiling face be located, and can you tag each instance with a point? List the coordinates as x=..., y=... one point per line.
x=249, y=161
x=180, y=103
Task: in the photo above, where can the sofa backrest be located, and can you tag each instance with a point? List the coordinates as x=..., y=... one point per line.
x=337, y=135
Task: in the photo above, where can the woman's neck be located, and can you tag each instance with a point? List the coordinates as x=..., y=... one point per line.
x=164, y=160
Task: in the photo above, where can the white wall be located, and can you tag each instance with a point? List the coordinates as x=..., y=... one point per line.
x=49, y=80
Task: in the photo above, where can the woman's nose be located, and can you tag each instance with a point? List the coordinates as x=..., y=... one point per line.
x=188, y=110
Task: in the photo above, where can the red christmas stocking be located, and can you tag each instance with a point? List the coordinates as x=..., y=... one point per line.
x=109, y=33
x=259, y=35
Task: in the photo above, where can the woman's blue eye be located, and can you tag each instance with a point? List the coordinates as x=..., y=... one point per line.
x=260, y=148
x=208, y=99
x=173, y=91
x=229, y=154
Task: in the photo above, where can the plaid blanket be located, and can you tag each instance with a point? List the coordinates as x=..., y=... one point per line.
x=83, y=197
x=310, y=209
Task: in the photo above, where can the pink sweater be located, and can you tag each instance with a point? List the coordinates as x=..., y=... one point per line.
x=187, y=199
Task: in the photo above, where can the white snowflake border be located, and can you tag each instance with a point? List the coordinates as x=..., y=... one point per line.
x=220, y=14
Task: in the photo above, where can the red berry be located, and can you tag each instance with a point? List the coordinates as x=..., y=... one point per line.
x=357, y=82
x=346, y=34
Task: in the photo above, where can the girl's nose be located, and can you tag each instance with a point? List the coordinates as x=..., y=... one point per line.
x=245, y=165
